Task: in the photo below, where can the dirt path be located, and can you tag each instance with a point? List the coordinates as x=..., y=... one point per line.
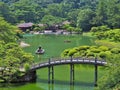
x=23, y=44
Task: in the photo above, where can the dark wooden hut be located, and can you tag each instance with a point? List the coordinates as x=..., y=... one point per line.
x=25, y=26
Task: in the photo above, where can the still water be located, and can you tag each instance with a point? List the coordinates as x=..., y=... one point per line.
x=54, y=45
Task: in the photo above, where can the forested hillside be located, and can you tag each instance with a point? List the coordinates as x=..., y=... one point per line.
x=82, y=13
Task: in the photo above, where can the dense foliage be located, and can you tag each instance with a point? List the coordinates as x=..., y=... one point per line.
x=103, y=32
x=111, y=80
x=102, y=52
x=83, y=13
x=12, y=58
x=7, y=31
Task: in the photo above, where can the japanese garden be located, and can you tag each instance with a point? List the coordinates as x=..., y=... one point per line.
x=59, y=44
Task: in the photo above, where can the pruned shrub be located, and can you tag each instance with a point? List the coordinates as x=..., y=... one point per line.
x=102, y=55
x=77, y=54
x=26, y=66
x=93, y=47
x=115, y=50
x=103, y=48
x=72, y=52
x=89, y=54
x=65, y=52
x=95, y=50
x=83, y=48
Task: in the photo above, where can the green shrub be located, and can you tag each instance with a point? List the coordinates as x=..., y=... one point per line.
x=92, y=47
x=83, y=48
x=26, y=66
x=100, y=28
x=72, y=52
x=65, y=52
x=115, y=50
x=95, y=50
x=77, y=54
x=90, y=54
x=104, y=28
x=82, y=53
x=103, y=48
x=76, y=48
x=94, y=29
x=27, y=31
x=102, y=55
x=100, y=35
x=105, y=54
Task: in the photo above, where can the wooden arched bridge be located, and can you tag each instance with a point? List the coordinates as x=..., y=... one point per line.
x=71, y=61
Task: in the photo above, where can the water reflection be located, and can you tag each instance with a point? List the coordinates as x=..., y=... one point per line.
x=65, y=85
x=75, y=83
x=71, y=87
x=51, y=87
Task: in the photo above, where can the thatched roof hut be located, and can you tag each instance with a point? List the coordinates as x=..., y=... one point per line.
x=25, y=26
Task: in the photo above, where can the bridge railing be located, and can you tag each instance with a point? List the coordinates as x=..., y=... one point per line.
x=70, y=59
x=76, y=58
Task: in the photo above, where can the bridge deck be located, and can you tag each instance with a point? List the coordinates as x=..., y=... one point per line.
x=68, y=61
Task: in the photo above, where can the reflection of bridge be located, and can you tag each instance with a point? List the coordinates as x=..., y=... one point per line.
x=53, y=62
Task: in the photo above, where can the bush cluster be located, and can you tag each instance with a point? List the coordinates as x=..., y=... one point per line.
x=91, y=51
x=103, y=32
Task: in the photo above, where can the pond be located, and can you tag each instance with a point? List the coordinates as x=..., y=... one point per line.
x=54, y=45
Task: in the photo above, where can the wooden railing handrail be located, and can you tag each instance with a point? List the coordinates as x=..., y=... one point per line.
x=68, y=60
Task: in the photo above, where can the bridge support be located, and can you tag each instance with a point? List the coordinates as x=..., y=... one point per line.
x=50, y=73
x=72, y=74
x=50, y=64
x=96, y=72
x=72, y=78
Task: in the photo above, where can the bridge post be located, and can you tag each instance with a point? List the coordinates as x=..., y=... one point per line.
x=96, y=72
x=71, y=72
x=50, y=72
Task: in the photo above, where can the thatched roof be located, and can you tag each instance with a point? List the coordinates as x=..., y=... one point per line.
x=25, y=25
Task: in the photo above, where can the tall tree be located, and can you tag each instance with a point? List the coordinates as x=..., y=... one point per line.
x=26, y=10
x=7, y=31
x=113, y=13
x=12, y=57
x=72, y=16
x=6, y=13
x=101, y=15
x=58, y=10
x=84, y=19
x=51, y=20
